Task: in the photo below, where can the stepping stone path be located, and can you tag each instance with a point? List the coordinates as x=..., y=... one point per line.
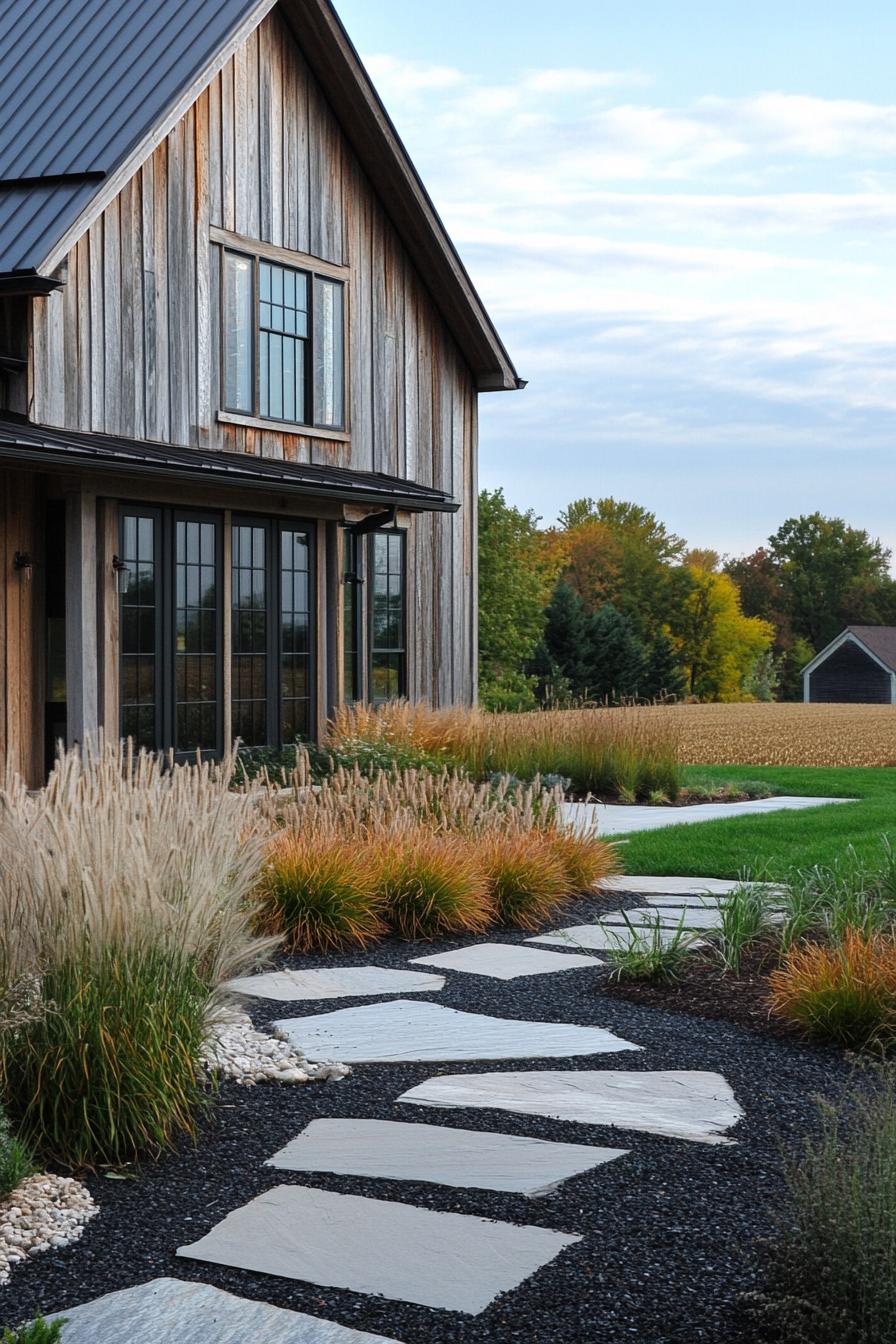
x=597, y=937
x=383, y=1033
x=681, y=1104
x=449, y=1260
x=621, y=819
x=672, y=916
x=506, y=961
x=170, y=1311
x=464, y=1158
x=396, y=1250
x=340, y=982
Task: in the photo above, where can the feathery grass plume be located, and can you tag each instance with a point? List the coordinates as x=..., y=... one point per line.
x=432, y=885
x=843, y=992
x=319, y=893
x=601, y=751
x=527, y=880
x=124, y=889
x=586, y=859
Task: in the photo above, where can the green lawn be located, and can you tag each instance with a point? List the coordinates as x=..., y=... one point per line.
x=778, y=842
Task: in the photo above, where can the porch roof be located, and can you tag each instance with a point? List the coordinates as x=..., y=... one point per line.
x=38, y=446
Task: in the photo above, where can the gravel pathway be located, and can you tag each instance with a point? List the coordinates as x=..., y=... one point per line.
x=668, y=1231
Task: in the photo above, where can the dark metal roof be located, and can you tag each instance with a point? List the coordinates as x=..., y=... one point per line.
x=81, y=84
x=86, y=85
x=37, y=446
x=880, y=639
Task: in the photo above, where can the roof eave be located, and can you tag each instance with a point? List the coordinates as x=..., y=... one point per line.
x=27, y=282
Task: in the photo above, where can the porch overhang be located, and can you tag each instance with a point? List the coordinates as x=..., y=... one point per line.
x=39, y=447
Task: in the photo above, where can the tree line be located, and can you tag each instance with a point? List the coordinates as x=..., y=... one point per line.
x=610, y=606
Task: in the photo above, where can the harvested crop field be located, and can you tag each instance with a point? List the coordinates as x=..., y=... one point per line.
x=780, y=734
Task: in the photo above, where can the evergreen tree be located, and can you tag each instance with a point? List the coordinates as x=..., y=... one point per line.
x=566, y=637
x=615, y=656
x=664, y=675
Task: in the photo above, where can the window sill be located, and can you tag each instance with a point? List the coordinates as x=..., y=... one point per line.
x=283, y=427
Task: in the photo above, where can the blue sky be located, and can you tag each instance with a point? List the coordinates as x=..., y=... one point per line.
x=682, y=216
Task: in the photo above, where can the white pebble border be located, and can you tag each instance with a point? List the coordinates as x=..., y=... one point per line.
x=43, y=1213
x=235, y=1050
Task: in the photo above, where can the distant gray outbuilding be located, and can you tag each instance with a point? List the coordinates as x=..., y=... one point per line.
x=858, y=667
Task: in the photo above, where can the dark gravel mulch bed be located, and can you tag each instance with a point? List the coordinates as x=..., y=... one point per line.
x=703, y=988
x=670, y=1231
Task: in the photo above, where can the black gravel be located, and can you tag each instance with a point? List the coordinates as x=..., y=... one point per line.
x=670, y=1231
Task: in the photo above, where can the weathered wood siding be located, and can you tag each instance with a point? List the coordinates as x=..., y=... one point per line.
x=130, y=345
x=21, y=605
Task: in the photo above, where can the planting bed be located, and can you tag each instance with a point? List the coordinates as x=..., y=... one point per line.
x=667, y=1231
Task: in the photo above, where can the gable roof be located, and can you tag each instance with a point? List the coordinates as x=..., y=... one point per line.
x=878, y=640
x=87, y=90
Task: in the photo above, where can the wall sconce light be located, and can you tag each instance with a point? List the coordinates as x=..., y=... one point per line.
x=23, y=565
x=122, y=574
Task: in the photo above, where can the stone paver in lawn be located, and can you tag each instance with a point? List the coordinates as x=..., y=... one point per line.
x=681, y=1104
x=505, y=961
x=170, y=1311
x=594, y=937
x=465, y=1158
x=400, y=1031
x=447, y=1260
x=337, y=982
x=620, y=819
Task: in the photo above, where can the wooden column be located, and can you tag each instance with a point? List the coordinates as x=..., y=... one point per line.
x=333, y=608
x=81, y=602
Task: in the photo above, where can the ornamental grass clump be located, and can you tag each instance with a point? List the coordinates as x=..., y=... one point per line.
x=319, y=894
x=651, y=951
x=586, y=859
x=15, y=1158
x=527, y=880
x=37, y=1331
x=124, y=898
x=432, y=886
x=830, y=1272
x=843, y=992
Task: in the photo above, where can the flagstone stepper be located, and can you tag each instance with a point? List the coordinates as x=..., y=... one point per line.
x=683, y=1104
x=596, y=937
x=405, y=1031
x=171, y=1311
x=671, y=917
x=336, y=982
x=464, y=1158
x=448, y=1260
x=506, y=961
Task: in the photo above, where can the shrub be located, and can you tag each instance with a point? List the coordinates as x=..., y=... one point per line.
x=124, y=883
x=527, y=879
x=651, y=951
x=586, y=859
x=831, y=1270
x=111, y=1070
x=844, y=992
x=431, y=885
x=38, y=1331
x=319, y=894
x=15, y=1158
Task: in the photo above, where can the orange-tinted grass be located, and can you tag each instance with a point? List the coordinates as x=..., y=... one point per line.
x=320, y=894
x=431, y=885
x=527, y=879
x=586, y=859
x=845, y=992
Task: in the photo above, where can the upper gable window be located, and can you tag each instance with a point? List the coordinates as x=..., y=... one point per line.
x=283, y=342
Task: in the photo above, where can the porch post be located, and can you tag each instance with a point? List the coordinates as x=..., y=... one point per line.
x=81, y=602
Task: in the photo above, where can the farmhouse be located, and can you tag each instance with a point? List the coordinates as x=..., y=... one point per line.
x=239, y=368
x=858, y=667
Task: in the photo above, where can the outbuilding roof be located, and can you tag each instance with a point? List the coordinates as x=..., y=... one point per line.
x=87, y=90
x=38, y=446
x=880, y=639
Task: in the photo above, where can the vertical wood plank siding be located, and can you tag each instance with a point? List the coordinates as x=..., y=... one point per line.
x=131, y=344
x=21, y=642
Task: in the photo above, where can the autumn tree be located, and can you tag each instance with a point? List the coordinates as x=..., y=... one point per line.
x=719, y=646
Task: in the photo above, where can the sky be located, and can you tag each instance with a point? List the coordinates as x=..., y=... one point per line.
x=681, y=215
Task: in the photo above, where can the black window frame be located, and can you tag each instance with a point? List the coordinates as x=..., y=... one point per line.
x=353, y=588
x=274, y=527
x=311, y=275
x=165, y=520
x=372, y=648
